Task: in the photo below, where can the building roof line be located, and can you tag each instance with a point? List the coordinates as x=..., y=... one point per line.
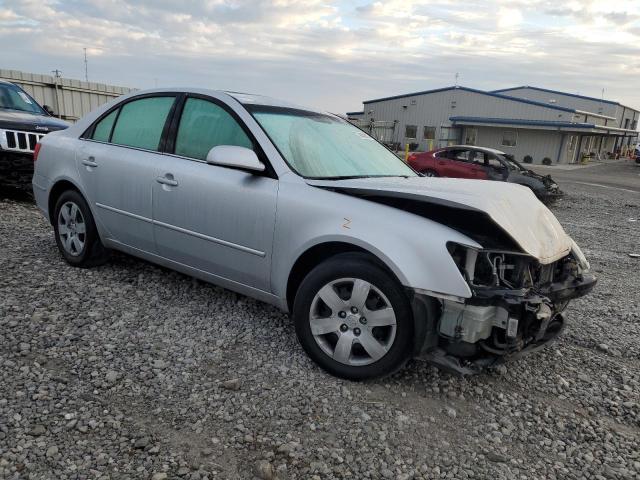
x=558, y=92
x=473, y=90
x=567, y=94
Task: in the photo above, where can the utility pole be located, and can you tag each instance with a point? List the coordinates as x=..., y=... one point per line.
x=86, y=66
x=56, y=76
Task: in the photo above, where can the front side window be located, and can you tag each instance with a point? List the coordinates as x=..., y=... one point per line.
x=322, y=146
x=509, y=138
x=204, y=125
x=411, y=131
x=460, y=155
x=102, y=131
x=493, y=162
x=13, y=97
x=141, y=122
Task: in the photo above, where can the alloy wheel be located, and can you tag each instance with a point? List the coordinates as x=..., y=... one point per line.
x=72, y=229
x=352, y=321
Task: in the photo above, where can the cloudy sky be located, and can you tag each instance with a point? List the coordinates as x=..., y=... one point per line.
x=332, y=54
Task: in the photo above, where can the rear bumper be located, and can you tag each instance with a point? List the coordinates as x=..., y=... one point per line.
x=41, y=186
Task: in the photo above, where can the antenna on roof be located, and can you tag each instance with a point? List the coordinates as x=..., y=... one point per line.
x=457, y=76
x=603, y=94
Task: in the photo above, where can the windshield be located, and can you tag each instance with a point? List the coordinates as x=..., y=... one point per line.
x=13, y=97
x=322, y=146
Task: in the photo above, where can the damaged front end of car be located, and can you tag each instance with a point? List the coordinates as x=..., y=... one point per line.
x=516, y=307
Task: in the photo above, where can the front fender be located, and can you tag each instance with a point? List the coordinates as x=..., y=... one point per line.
x=412, y=247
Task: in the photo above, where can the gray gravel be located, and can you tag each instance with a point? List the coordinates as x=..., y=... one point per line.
x=133, y=371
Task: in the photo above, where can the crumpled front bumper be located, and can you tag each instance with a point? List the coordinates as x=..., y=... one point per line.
x=522, y=307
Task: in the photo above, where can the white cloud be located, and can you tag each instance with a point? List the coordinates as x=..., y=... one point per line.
x=331, y=53
x=509, y=17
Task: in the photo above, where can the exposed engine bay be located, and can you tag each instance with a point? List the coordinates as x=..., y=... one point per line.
x=520, y=282
x=516, y=307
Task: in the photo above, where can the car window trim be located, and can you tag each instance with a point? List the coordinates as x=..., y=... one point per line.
x=172, y=132
x=88, y=133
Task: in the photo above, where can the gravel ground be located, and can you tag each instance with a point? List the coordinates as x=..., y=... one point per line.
x=132, y=371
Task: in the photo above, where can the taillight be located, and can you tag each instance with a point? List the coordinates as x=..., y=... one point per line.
x=36, y=151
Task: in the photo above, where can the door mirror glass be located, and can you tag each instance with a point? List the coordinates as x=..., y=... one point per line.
x=235, y=157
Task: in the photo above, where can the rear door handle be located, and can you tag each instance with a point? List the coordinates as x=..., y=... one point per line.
x=89, y=161
x=167, y=180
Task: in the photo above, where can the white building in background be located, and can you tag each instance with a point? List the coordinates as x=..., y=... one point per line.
x=68, y=98
x=542, y=124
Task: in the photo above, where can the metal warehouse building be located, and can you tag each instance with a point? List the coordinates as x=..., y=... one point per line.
x=545, y=125
x=68, y=98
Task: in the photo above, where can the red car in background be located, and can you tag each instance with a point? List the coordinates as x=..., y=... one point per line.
x=457, y=162
x=481, y=163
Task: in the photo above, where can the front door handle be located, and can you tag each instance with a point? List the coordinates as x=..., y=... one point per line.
x=167, y=180
x=89, y=162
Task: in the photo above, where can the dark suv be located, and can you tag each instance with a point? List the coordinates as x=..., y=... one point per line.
x=22, y=124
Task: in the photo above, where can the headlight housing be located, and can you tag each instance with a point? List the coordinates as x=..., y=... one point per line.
x=487, y=268
x=494, y=268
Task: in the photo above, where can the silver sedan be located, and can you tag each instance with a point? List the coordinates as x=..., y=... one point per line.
x=300, y=209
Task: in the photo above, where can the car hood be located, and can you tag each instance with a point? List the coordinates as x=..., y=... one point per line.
x=17, y=120
x=514, y=208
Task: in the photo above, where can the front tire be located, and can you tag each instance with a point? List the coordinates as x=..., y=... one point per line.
x=353, y=318
x=75, y=231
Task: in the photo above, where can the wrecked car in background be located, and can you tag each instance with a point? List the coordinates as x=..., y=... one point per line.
x=22, y=123
x=300, y=209
x=481, y=163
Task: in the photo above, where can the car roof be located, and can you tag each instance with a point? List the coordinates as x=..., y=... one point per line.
x=242, y=97
x=480, y=149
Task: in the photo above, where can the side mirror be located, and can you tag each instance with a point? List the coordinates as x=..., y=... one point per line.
x=235, y=157
x=48, y=109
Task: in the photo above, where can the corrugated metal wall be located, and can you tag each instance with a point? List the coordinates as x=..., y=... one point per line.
x=69, y=99
x=621, y=113
x=435, y=109
x=536, y=143
x=587, y=105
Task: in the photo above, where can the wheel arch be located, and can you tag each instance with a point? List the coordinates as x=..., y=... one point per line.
x=58, y=188
x=317, y=254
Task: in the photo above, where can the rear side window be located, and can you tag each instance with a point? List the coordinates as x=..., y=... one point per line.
x=204, y=125
x=102, y=131
x=141, y=122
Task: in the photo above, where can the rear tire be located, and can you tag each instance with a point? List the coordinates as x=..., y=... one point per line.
x=353, y=318
x=430, y=173
x=76, y=233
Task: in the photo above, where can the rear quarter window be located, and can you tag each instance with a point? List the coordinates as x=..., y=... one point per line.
x=141, y=122
x=102, y=130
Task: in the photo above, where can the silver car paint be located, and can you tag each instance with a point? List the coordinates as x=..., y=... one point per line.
x=248, y=235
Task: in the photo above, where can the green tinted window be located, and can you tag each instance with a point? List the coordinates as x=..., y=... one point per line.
x=103, y=127
x=141, y=122
x=205, y=125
